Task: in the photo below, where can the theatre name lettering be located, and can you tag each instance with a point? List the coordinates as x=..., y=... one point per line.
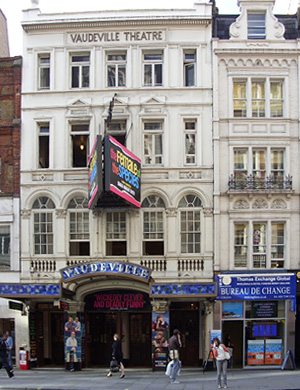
x=113, y=36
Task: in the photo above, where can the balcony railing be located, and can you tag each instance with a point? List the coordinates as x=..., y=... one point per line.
x=254, y=183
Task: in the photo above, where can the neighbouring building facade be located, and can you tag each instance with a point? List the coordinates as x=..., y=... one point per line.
x=10, y=131
x=143, y=78
x=256, y=181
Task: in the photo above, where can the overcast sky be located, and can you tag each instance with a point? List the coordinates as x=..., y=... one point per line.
x=12, y=9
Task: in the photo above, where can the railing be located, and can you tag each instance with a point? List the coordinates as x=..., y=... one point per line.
x=43, y=266
x=190, y=265
x=254, y=183
x=156, y=265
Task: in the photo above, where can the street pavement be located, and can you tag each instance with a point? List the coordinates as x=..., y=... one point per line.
x=143, y=379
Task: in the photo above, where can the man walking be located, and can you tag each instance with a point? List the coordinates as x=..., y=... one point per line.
x=9, y=343
x=3, y=356
x=174, y=345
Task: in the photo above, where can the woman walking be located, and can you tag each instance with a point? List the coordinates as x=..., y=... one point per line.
x=117, y=355
x=219, y=351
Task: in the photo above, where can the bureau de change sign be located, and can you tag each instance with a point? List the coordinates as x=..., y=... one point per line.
x=256, y=286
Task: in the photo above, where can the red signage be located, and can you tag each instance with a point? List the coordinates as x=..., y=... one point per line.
x=117, y=300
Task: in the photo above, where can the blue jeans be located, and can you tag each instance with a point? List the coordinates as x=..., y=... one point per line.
x=174, y=370
x=222, y=365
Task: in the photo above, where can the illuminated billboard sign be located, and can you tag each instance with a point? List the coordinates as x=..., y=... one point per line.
x=122, y=170
x=95, y=173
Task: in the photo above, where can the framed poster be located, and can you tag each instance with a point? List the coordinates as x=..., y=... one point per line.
x=273, y=351
x=232, y=310
x=255, y=352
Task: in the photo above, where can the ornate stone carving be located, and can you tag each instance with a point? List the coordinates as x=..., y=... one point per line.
x=260, y=204
x=61, y=213
x=241, y=204
x=207, y=211
x=171, y=212
x=25, y=213
x=279, y=204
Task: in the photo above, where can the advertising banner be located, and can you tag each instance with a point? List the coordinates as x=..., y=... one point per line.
x=273, y=351
x=256, y=286
x=122, y=172
x=160, y=337
x=255, y=352
x=95, y=173
x=232, y=310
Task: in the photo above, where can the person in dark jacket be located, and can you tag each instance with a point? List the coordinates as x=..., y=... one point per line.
x=174, y=345
x=117, y=355
x=3, y=356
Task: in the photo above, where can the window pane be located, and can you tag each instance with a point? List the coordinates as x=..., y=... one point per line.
x=111, y=74
x=158, y=74
x=147, y=75
x=75, y=77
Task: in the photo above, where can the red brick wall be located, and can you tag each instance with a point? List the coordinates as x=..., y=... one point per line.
x=10, y=124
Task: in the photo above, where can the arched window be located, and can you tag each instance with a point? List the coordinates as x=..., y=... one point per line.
x=43, y=225
x=79, y=238
x=153, y=226
x=190, y=208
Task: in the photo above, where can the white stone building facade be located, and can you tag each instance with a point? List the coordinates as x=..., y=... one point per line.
x=158, y=63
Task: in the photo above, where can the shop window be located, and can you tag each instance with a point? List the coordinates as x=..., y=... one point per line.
x=189, y=68
x=80, y=144
x=4, y=247
x=153, y=143
x=116, y=244
x=80, y=70
x=153, y=226
x=117, y=129
x=256, y=26
x=79, y=227
x=43, y=226
x=153, y=68
x=190, y=141
x=44, y=71
x=116, y=69
x=44, y=145
x=190, y=224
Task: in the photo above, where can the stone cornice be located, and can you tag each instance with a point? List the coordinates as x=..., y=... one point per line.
x=161, y=22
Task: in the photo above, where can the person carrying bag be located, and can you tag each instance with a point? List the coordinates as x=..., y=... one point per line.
x=222, y=356
x=117, y=357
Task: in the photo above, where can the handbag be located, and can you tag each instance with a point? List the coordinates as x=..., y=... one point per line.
x=227, y=355
x=114, y=366
x=174, y=354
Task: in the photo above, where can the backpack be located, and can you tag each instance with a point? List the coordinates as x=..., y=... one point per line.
x=3, y=347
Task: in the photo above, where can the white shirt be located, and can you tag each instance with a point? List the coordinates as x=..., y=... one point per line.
x=221, y=353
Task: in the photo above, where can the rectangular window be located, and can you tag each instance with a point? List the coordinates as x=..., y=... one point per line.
x=190, y=231
x=259, y=249
x=190, y=68
x=116, y=70
x=80, y=70
x=153, y=233
x=80, y=144
x=258, y=99
x=240, y=245
x=44, y=71
x=189, y=142
x=277, y=167
x=116, y=244
x=276, y=99
x=256, y=26
x=79, y=233
x=43, y=233
x=277, y=245
x=240, y=167
x=153, y=69
x=4, y=247
x=240, y=99
x=259, y=168
x=153, y=143
x=117, y=129
x=44, y=145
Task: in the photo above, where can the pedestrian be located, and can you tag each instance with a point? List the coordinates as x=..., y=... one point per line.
x=117, y=355
x=71, y=343
x=3, y=356
x=219, y=351
x=9, y=343
x=174, y=345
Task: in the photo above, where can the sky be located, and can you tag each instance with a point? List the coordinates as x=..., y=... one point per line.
x=12, y=9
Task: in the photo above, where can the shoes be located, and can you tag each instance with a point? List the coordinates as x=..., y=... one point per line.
x=175, y=382
x=11, y=374
x=122, y=376
x=225, y=387
x=72, y=369
x=109, y=374
x=219, y=387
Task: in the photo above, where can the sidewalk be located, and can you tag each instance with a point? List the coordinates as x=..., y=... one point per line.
x=142, y=379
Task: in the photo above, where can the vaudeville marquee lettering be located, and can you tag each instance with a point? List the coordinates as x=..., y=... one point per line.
x=113, y=36
x=105, y=267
